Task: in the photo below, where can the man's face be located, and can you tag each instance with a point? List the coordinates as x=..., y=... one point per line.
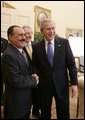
x=28, y=34
x=18, y=38
x=48, y=31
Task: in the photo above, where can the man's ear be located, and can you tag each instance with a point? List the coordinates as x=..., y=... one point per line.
x=10, y=37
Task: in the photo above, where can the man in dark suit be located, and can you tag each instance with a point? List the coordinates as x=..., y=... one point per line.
x=18, y=76
x=4, y=44
x=29, y=49
x=28, y=35
x=52, y=64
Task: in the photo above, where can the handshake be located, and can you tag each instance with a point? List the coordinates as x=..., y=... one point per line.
x=35, y=77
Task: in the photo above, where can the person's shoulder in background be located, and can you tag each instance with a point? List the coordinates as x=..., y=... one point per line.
x=4, y=43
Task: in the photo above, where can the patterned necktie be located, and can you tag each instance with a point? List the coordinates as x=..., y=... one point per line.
x=25, y=56
x=29, y=50
x=50, y=53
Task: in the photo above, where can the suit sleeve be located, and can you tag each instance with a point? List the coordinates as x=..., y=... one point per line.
x=13, y=75
x=71, y=65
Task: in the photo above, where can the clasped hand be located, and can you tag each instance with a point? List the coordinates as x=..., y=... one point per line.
x=35, y=77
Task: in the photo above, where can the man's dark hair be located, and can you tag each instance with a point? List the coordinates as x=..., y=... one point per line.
x=10, y=30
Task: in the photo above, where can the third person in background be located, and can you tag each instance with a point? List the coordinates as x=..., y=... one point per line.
x=29, y=49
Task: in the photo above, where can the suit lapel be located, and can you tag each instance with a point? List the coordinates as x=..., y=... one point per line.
x=43, y=52
x=27, y=54
x=43, y=48
x=19, y=55
x=22, y=59
x=57, y=49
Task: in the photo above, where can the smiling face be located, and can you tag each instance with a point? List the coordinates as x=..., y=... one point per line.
x=48, y=30
x=28, y=34
x=17, y=37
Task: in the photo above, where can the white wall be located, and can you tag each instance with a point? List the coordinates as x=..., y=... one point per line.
x=64, y=13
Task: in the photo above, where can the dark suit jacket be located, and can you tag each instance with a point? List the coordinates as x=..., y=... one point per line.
x=18, y=83
x=33, y=69
x=4, y=44
x=63, y=59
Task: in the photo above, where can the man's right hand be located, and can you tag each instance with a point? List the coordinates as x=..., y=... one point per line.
x=35, y=77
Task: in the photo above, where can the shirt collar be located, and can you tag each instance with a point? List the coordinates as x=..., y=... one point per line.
x=29, y=43
x=20, y=49
x=51, y=41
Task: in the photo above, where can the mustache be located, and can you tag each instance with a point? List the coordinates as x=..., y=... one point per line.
x=22, y=40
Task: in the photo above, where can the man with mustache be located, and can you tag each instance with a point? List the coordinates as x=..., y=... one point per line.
x=18, y=77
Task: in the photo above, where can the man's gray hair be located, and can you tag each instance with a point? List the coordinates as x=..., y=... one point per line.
x=26, y=26
x=42, y=23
